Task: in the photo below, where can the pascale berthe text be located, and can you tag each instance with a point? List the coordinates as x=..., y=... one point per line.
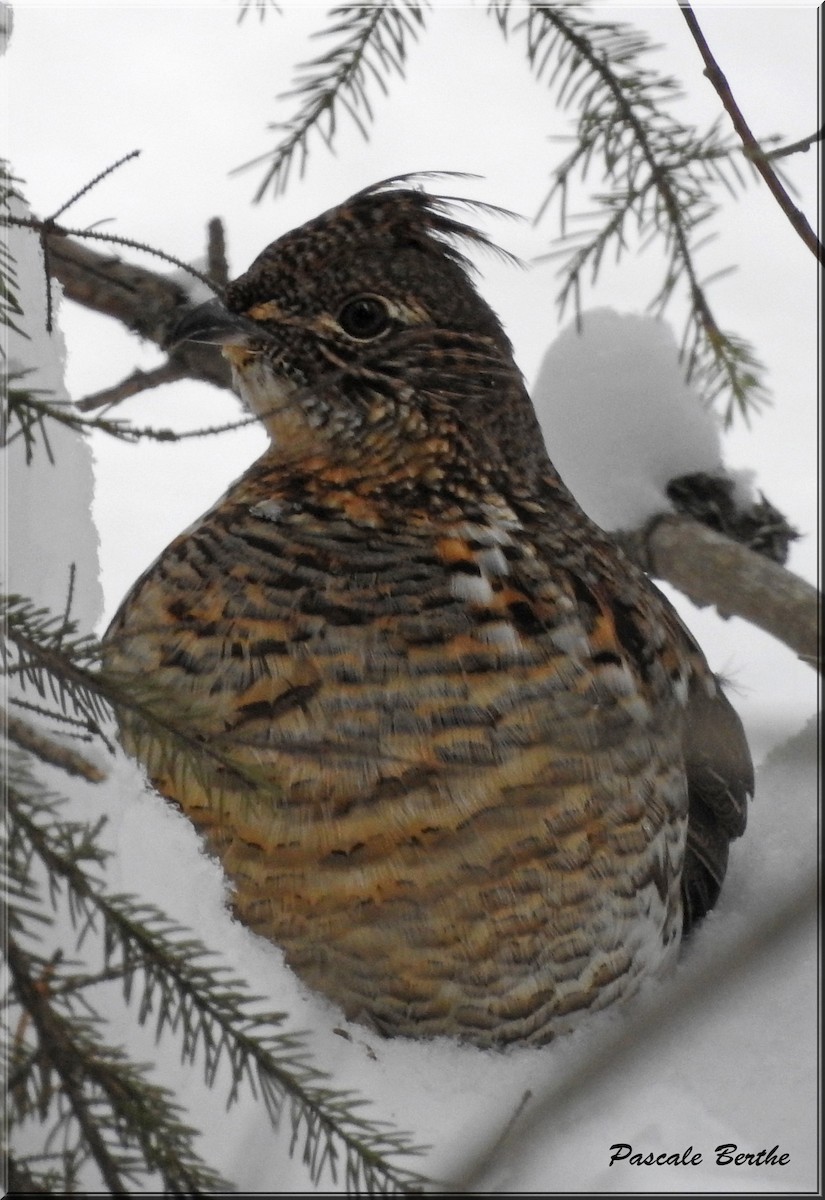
x=727, y=1155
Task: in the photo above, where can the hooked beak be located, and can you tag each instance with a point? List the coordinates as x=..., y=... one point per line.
x=214, y=324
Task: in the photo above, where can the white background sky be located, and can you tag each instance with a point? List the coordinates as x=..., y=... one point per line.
x=195, y=91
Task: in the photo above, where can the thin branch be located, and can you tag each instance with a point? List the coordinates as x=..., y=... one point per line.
x=752, y=148
x=50, y=751
x=103, y=691
x=138, y=381
x=49, y=223
x=87, y=187
x=800, y=147
x=662, y=178
x=217, y=266
x=48, y=228
x=88, y=728
x=29, y=411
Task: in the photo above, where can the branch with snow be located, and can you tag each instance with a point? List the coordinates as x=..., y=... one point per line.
x=711, y=569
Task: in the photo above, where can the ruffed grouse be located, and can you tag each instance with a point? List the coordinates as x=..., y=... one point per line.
x=496, y=778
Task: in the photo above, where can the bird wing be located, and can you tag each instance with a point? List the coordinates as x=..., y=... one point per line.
x=720, y=783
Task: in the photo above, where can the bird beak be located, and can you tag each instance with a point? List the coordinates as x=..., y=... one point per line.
x=214, y=324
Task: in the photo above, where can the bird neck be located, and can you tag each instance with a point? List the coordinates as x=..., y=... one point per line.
x=376, y=487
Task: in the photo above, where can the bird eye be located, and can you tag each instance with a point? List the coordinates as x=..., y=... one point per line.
x=364, y=317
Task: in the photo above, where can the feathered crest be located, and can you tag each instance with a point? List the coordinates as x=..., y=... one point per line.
x=384, y=218
x=415, y=216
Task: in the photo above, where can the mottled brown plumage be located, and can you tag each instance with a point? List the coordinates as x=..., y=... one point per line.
x=505, y=776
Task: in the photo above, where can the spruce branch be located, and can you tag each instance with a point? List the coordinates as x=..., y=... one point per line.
x=259, y=5
x=80, y=726
x=659, y=172
x=23, y=409
x=61, y=1072
x=108, y=1097
x=24, y=1179
x=48, y=655
x=9, y=305
x=29, y=413
x=171, y=979
x=48, y=229
x=753, y=149
x=369, y=42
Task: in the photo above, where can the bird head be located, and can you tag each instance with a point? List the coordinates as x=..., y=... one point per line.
x=363, y=329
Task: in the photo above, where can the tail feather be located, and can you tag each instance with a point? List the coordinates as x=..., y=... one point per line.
x=720, y=783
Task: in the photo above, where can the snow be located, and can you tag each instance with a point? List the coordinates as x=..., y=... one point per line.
x=738, y=1066
x=48, y=503
x=618, y=417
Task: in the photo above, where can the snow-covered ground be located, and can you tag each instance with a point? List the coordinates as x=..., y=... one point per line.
x=735, y=1064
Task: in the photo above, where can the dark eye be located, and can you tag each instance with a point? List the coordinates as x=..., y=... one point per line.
x=364, y=317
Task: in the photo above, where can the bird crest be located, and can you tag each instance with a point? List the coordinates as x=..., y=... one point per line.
x=390, y=216
x=412, y=216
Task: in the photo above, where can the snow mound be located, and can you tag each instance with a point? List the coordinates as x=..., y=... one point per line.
x=619, y=419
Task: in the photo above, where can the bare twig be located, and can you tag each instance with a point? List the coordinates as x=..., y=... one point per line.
x=752, y=148
x=50, y=751
x=217, y=267
x=139, y=381
x=26, y=409
x=800, y=147
x=87, y=187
